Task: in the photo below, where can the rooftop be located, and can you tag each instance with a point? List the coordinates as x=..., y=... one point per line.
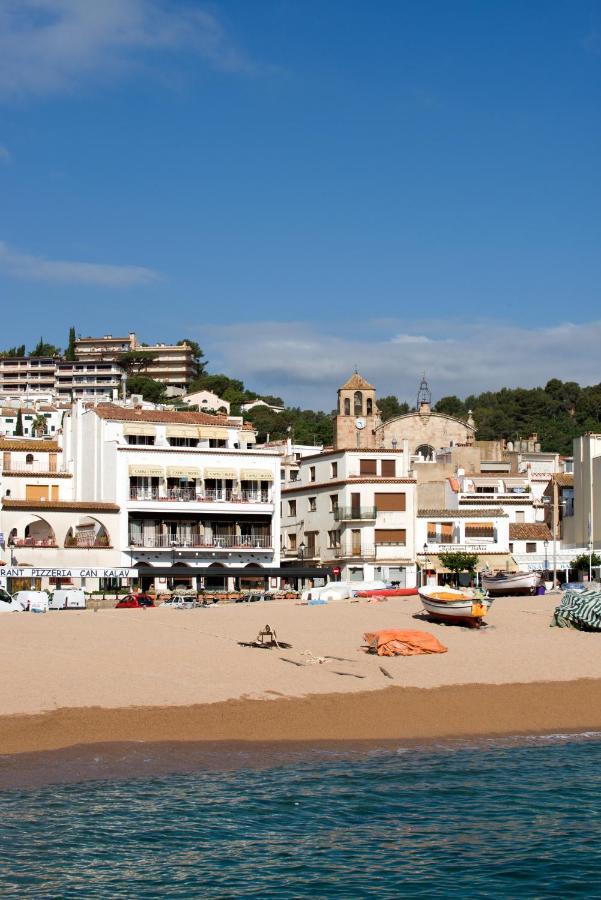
x=357, y=383
x=460, y=514
x=38, y=505
x=533, y=531
x=165, y=416
x=28, y=444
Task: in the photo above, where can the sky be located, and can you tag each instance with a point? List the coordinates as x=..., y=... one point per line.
x=308, y=187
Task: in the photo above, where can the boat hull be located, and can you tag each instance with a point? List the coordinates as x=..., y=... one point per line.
x=511, y=583
x=389, y=592
x=465, y=610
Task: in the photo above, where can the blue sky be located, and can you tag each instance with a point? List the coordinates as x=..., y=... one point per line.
x=306, y=186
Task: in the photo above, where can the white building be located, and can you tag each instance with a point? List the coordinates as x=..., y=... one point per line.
x=206, y=401
x=251, y=404
x=353, y=510
x=190, y=489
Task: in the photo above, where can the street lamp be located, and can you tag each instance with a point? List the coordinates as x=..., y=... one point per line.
x=301, y=550
x=546, y=543
x=425, y=572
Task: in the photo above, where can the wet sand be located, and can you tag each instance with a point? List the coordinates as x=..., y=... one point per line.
x=161, y=675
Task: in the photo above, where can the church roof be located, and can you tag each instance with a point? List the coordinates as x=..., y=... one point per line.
x=357, y=383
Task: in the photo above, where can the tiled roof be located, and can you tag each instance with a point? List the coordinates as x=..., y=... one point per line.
x=565, y=479
x=39, y=505
x=28, y=444
x=165, y=416
x=357, y=383
x=534, y=531
x=460, y=514
x=327, y=485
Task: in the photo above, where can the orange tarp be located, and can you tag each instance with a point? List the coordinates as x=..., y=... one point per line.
x=402, y=643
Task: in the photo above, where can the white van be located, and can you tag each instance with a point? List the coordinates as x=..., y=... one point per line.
x=34, y=601
x=67, y=598
x=7, y=603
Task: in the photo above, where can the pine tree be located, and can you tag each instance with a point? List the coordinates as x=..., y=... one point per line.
x=70, y=351
x=19, y=425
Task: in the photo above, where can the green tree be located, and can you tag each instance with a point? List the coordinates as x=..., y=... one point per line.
x=390, y=407
x=70, y=351
x=135, y=361
x=451, y=406
x=581, y=563
x=151, y=390
x=200, y=362
x=459, y=562
x=19, y=425
x=13, y=351
x=44, y=349
x=39, y=426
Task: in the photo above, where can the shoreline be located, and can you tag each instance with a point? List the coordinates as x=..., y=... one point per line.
x=389, y=714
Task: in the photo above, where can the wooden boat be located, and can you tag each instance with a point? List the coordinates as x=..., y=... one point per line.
x=388, y=592
x=450, y=605
x=507, y=583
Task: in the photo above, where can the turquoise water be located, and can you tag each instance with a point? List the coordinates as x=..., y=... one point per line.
x=489, y=819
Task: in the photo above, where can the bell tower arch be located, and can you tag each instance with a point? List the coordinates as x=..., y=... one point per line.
x=357, y=415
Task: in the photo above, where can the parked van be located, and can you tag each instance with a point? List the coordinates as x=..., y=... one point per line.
x=68, y=598
x=34, y=601
x=8, y=603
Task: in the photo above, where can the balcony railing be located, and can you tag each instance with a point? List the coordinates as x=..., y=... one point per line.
x=191, y=495
x=197, y=540
x=34, y=467
x=352, y=552
x=352, y=513
x=32, y=542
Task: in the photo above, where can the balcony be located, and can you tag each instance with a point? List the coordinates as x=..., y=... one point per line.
x=197, y=540
x=355, y=513
x=352, y=552
x=32, y=542
x=191, y=495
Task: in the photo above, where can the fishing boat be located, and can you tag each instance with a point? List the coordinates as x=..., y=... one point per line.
x=507, y=583
x=388, y=592
x=451, y=605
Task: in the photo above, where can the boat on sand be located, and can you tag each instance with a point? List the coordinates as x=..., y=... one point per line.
x=511, y=583
x=388, y=592
x=450, y=605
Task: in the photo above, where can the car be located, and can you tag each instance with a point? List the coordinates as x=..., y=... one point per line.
x=135, y=601
x=181, y=602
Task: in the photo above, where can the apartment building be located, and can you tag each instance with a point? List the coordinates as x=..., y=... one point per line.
x=37, y=419
x=171, y=364
x=91, y=379
x=27, y=374
x=190, y=488
x=581, y=522
x=353, y=511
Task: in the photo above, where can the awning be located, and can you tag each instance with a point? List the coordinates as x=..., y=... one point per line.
x=182, y=431
x=139, y=428
x=492, y=562
x=247, y=437
x=147, y=471
x=479, y=529
x=188, y=472
x=221, y=473
x=256, y=475
x=207, y=433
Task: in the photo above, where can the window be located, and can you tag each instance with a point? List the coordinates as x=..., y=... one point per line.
x=520, y=515
x=312, y=501
x=187, y=442
x=292, y=542
x=368, y=467
x=486, y=489
x=333, y=502
x=334, y=538
x=29, y=458
x=390, y=502
x=425, y=451
x=293, y=475
x=369, y=406
x=358, y=403
x=347, y=406
x=140, y=439
x=511, y=547
x=530, y=547
x=479, y=530
x=292, y=508
x=334, y=470
x=388, y=468
x=391, y=536
x=213, y=442
x=311, y=473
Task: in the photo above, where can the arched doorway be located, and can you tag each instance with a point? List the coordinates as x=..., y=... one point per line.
x=425, y=451
x=183, y=582
x=216, y=577
x=255, y=580
x=87, y=532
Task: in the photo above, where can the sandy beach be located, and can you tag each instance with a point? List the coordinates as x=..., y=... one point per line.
x=169, y=675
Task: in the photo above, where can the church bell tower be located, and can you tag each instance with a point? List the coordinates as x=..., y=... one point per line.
x=357, y=415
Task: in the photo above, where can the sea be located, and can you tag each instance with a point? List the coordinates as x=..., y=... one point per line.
x=513, y=817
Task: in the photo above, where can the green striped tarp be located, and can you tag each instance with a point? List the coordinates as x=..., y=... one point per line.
x=579, y=609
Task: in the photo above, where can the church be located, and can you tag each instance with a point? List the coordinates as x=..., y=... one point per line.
x=358, y=424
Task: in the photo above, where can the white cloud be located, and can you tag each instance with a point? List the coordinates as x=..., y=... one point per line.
x=36, y=268
x=306, y=364
x=4, y=154
x=48, y=46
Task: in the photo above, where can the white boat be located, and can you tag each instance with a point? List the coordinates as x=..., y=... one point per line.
x=508, y=583
x=451, y=605
x=340, y=590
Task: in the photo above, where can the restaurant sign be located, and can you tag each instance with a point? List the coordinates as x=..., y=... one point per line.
x=435, y=549
x=66, y=572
